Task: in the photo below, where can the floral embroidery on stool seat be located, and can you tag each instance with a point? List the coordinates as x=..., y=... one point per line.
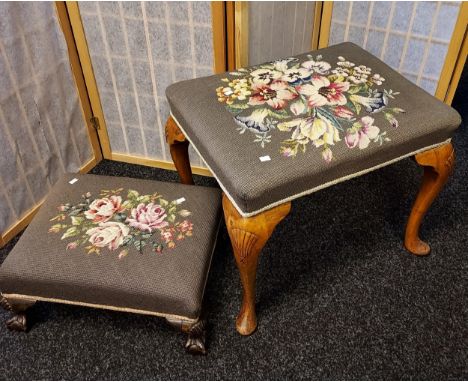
x=110, y=222
x=119, y=242
x=317, y=103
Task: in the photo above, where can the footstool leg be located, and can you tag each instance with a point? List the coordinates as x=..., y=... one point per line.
x=178, y=146
x=18, y=307
x=248, y=237
x=438, y=165
x=196, y=332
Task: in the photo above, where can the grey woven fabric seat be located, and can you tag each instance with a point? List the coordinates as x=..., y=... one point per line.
x=276, y=131
x=117, y=243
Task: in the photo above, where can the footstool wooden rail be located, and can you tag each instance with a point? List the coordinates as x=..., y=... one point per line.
x=277, y=131
x=116, y=243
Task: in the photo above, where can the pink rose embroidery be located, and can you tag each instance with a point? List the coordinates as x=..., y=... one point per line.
x=148, y=217
x=108, y=234
x=101, y=210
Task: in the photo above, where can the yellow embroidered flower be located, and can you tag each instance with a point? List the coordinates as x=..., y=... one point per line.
x=237, y=89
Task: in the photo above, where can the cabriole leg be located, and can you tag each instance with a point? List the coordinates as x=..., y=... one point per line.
x=178, y=146
x=438, y=165
x=248, y=237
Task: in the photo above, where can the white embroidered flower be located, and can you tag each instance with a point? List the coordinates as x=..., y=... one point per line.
x=265, y=76
x=322, y=92
x=343, y=72
x=377, y=79
x=296, y=75
x=282, y=65
x=362, y=69
x=320, y=67
x=358, y=78
x=344, y=63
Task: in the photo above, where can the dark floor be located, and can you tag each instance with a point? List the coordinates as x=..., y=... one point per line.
x=338, y=297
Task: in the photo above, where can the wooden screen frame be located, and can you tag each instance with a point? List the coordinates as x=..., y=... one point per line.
x=220, y=47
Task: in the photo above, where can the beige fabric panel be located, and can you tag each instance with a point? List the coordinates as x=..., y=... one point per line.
x=410, y=36
x=279, y=29
x=138, y=49
x=42, y=130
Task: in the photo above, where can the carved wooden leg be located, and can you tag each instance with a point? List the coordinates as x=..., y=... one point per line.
x=18, y=307
x=438, y=165
x=178, y=145
x=196, y=332
x=248, y=237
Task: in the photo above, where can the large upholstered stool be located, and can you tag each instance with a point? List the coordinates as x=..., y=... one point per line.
x=116, y=243
x=275, y=132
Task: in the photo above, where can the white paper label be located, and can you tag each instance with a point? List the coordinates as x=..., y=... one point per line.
x=264, y=158
x=74, y=180
x=180, y=200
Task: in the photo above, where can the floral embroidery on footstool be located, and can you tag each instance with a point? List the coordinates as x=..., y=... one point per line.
x=113, y=223
x=313, y=101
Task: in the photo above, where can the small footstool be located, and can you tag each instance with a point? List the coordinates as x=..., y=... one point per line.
x=274, y=132
x=117, y=243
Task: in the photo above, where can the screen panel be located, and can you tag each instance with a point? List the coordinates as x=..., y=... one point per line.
x=412, y=37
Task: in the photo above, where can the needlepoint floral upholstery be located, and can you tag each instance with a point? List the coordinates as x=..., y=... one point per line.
x=318, y=118
x=118, y=242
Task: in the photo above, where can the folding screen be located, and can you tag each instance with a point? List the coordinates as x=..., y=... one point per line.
x=137, y=49
x=42, y=130
x=279, y=29
x=412, y=37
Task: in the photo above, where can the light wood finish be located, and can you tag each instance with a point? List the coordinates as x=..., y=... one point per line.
x=218, y=19
x=88, y=74
x=241, y=17
x=248, y=237
x=78, y=76
x=230, y=35
x=21, y=224
x=88, y=166
x=458, y=71
x=178, y=146
x=438, y=165
x=317, y=22
x=325, y=24
x=453, y=52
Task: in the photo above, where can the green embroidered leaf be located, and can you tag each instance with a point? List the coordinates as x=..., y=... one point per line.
x=146, y=235
x=354, y=89
x=357, y=106
x=163, y=202
x=171, y=218
x=144, y=198
x=240, y=106
x=172, y=210
x=139, y=244
x=280, y=115
x=120, y=216
x=132, y=194
x=77, y=220
x=128, y=204
x=127, y=240
x=70, y=232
